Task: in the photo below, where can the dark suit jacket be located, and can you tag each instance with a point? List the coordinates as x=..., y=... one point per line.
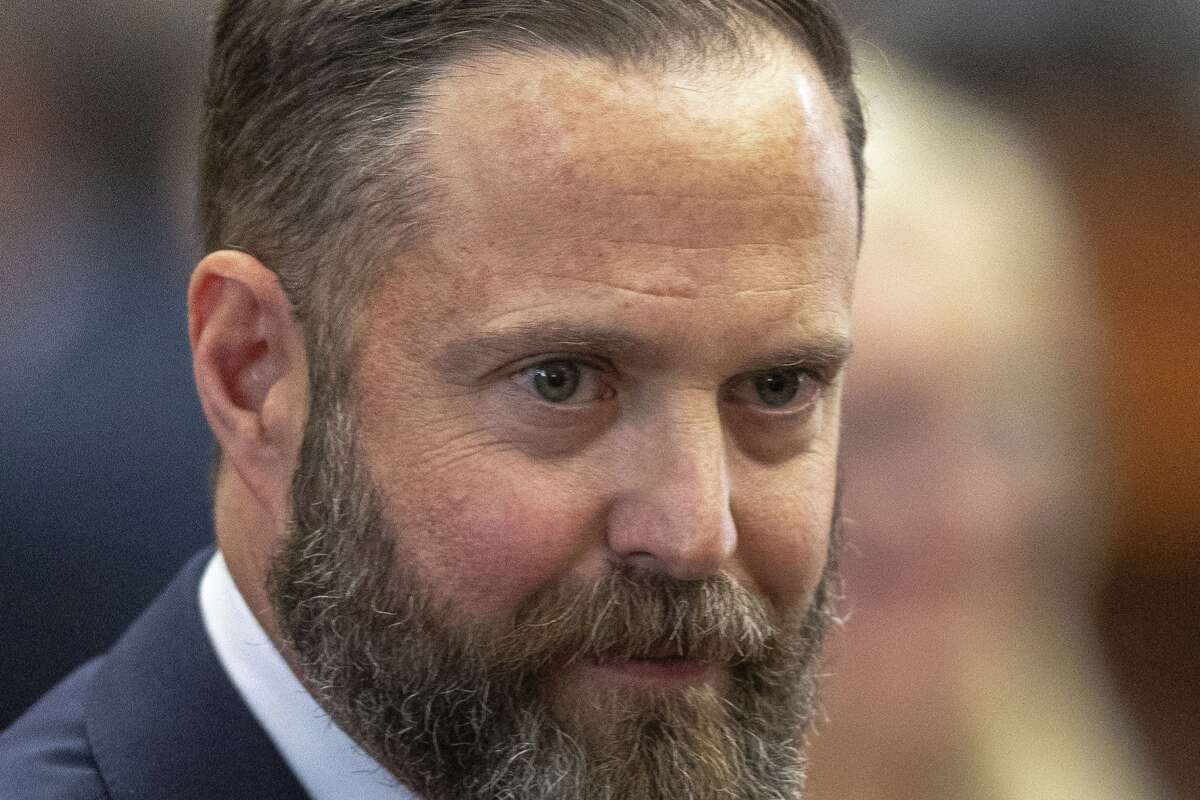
x=154, y=718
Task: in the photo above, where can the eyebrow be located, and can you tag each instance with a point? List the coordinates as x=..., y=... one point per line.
x=828, y=350
x=539, y=335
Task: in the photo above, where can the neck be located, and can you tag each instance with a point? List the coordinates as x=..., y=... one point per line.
x=240, y=520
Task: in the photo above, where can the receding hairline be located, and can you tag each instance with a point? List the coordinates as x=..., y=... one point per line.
x=770, y=52
x=673, y=35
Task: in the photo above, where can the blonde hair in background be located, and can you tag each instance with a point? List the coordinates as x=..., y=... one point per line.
x=971, y=250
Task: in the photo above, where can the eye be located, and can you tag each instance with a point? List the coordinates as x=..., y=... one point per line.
x=778, y=390
x=562, y=382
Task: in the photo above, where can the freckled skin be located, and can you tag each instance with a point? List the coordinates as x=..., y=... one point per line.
x=710, y=215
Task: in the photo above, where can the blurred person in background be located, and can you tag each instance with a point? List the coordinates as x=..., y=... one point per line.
x=975, y=499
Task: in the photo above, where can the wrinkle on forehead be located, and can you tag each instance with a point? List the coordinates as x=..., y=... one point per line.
x=653, y=269
x=552, y=169
x=685, y=291
x=550, y=132
x=652, y=218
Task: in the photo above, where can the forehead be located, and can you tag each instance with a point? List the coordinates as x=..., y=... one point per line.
x=555, y=175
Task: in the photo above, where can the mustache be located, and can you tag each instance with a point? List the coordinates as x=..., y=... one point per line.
x=633, y=613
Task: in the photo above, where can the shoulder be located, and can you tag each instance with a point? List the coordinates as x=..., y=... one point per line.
x=157, y=717
x=47, y=754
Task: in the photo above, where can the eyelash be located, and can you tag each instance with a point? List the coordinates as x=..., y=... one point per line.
x=811, y=385
x=525, y=374
x=812, y=378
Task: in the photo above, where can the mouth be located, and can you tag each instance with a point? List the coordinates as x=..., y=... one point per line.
x=657, y=671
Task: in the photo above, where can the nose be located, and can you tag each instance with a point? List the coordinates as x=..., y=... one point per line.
x=674, y=515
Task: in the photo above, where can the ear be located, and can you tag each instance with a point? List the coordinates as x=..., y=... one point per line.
x=251, y=372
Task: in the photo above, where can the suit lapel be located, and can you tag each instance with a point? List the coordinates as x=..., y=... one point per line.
x=164, y=720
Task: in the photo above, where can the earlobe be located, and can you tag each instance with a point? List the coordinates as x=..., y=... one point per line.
x=250, y=368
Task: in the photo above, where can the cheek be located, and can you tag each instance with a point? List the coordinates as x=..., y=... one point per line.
x=783, y=521
x=491, y=539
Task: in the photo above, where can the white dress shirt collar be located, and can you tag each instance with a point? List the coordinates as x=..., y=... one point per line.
x=328, y=764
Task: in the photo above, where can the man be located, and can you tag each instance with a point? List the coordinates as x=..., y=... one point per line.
x=521, y=334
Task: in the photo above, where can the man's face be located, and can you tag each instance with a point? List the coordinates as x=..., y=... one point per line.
x=576, y=509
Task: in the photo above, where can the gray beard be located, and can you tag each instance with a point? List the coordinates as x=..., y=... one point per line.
x=467, y=711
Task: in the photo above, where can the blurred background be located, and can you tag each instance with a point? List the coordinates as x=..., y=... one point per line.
x=1022, y=450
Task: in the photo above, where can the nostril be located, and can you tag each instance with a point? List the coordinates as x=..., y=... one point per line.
x=642, y=560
